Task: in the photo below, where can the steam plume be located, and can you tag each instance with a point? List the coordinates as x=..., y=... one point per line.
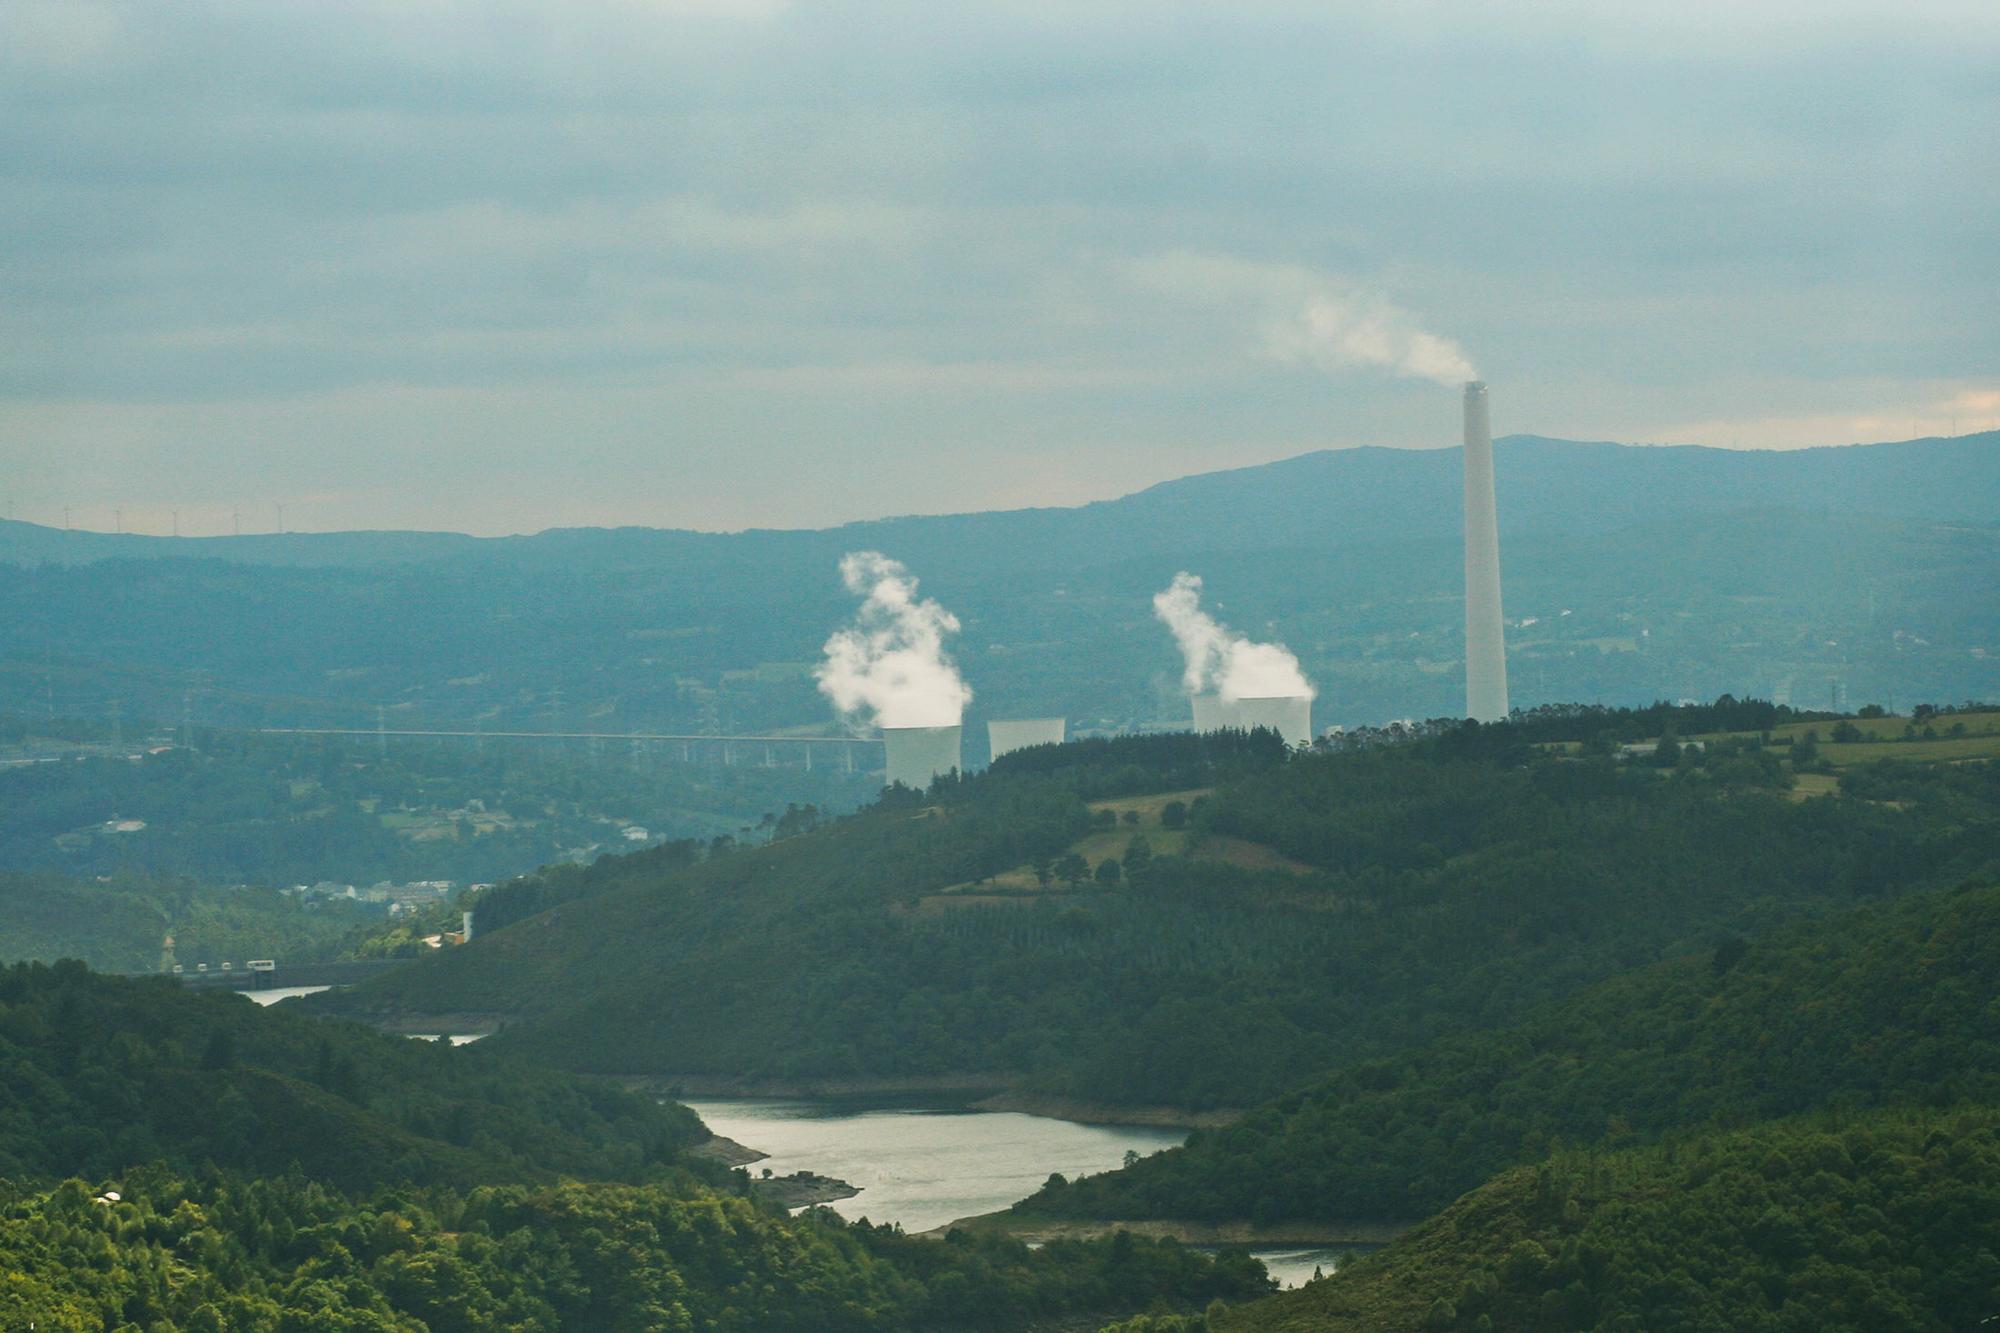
x=1352, y=329
x=891, y=661
x=1308, y=316
x=1221, y=660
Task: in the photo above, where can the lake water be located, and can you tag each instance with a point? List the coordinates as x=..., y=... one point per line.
x=277, y=993
x=924, y=1166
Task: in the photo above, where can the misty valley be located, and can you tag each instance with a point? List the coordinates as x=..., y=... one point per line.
x=1212, y=1015
x=727, y=666
x=597, y=1008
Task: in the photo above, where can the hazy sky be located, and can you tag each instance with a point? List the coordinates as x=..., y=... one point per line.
x=500, y=266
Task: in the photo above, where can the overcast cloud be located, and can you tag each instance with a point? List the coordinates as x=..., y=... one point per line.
x=502, y=266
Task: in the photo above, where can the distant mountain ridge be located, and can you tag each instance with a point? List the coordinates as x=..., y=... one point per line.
x=1329, y=498
x=1631, y=574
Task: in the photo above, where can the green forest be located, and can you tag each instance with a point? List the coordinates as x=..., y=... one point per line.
x=1327, y=910
x=1886, y=1003
x=216, y=1253
x=1840, y=1223
x=176, y=1160
x=105, y=1072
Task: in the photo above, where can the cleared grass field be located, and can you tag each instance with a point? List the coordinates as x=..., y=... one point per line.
x=1148, y=807
x=1805, y=786
x=1111, y=843
x=1883, y=739
x=1941, y=750
x=1891, y=728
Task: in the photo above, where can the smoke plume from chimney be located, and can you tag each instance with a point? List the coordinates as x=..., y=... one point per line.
x=1355, y=328
x=1219, y=659
x=891, y=662
x=1307, y=316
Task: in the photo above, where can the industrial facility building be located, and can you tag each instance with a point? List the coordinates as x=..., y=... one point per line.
x=918, y=754
x=1019, y=733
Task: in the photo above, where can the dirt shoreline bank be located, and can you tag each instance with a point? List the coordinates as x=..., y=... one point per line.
x=979, y=1092
x=404, y=1025
x=966, y=1088
x=1041, y=1230
x=1102, y=1113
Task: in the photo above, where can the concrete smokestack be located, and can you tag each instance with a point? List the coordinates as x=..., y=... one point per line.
x=1020, y=733
x=918, y=754
x=1485, y=643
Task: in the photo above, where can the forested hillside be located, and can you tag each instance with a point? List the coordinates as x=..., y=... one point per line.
x=1884, y=1003
x=238, y=1168
x=1316, y=912
x=1886, y=1220
x=99, y=1073
x=221, y=1254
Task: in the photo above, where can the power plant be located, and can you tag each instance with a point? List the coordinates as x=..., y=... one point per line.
x=918, y=754
x=1020, y=733
x=893, y=662
x=1485, y=641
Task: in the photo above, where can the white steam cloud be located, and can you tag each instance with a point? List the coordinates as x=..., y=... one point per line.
x=1335, y=330
x=1221, y=660
x=1305, y=316
x=891, y=661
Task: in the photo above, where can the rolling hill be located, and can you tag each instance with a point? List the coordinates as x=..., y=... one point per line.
x=1884, y=1004
x=1858, y=1221
x=1632, y=573
x=1328, y=499
x=1323, y=911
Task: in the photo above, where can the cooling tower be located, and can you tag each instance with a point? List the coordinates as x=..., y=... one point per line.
x=1020, y=733
x=1288, y=715
x=918, y=754
x=1485, y=645
x=1212, y=713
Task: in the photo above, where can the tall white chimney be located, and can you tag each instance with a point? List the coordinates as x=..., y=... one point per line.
x=1485, y=643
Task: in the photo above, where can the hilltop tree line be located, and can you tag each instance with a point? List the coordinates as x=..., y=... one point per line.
x=1437, y=885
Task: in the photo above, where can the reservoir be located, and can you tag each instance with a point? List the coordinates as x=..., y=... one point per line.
x=278, y=993
x=924, y=1165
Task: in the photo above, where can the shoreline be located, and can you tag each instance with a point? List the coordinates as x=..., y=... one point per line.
x=976, y=1092
x=964, y=1088
x=729, y=1152
x=1106, y=1113
x=466, y=1024
x=1042, y=1230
